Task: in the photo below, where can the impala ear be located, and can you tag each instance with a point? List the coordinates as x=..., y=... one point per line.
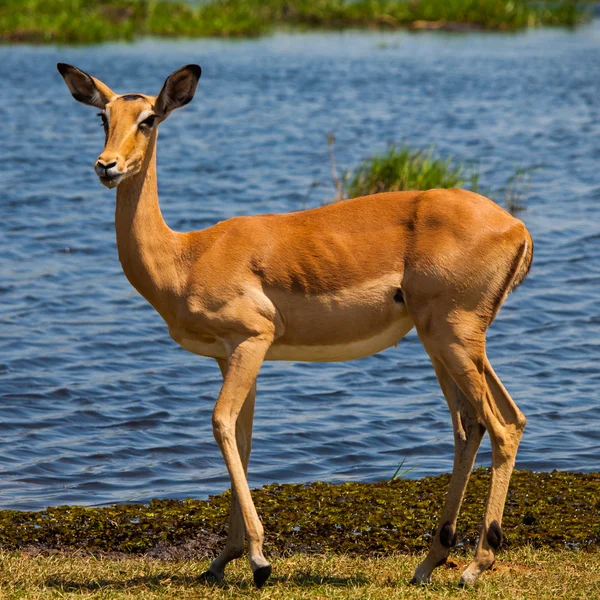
x=178, y=89
x=85, y=88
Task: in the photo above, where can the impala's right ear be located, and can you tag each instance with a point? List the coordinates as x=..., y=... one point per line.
x=84, y=87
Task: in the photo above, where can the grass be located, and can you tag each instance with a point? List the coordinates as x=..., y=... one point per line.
x=521, y=574
x=352, y=540
x=91, y=21
x=403, y=168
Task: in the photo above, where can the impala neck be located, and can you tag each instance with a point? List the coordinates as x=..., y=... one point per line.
x=148, y=249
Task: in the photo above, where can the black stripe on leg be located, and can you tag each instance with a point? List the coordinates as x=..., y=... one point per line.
x=494, y=535
x=447, y=535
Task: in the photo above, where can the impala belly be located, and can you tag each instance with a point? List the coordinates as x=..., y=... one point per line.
x=199, y=345
x=348, y=324
x=351, y=323
x=348, y=350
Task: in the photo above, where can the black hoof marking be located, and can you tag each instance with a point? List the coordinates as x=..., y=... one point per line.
x=208, y=577
x=261, y=575
x=447, y=535
x=494, y=535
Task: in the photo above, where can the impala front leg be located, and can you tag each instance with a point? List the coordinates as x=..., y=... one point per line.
x=234, y=547
x=243, y=366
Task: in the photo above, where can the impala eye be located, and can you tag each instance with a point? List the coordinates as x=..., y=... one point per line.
x=148, y=123
x=104, y=120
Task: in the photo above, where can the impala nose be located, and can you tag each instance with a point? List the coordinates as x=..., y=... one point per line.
x=105, y=170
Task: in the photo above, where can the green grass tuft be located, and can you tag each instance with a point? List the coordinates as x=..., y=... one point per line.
x=401, y=168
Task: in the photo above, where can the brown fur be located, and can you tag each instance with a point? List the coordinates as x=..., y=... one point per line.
x=322, y=284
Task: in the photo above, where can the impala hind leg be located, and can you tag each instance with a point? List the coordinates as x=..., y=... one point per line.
x=242, y=369
x=234, y=546
x=504, y=423
x=460, y=346
x=467, y=438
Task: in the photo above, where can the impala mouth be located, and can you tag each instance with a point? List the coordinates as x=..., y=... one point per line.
x=111, y=181
x=109, y=174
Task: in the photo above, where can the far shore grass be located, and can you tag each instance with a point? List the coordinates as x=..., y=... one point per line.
x=524, y=574
x=91, y=21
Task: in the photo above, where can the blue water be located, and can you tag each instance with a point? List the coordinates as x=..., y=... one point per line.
x=98, y=405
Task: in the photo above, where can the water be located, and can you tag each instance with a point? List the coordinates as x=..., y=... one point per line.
x=98, y=405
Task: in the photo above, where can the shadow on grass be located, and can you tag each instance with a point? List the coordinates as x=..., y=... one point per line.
x=154, y=581
x=309, y=578
x=164, y=580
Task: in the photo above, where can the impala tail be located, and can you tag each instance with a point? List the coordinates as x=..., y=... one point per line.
x=516, y=273
x=524, y=264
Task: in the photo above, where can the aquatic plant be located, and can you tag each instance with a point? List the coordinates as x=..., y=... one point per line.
x=403, y=168
x=517, y=188
x=554, y=510
x=90, y=21
x=401, y=472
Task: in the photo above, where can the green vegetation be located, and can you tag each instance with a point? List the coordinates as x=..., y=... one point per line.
x=401, y=168
x=352, y=540
x=552, y=510
x=524, y=574
x=90, y=21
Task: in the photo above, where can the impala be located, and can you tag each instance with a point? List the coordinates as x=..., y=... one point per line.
x=333, y=283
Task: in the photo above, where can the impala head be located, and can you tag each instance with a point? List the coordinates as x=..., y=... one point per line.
x=130, y=121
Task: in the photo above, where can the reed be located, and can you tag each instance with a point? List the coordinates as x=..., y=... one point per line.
x=401, y=168
x=89, y=21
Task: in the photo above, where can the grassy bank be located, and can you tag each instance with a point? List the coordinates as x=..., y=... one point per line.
x=90, y=21
x=519, y=574
x=551, y=510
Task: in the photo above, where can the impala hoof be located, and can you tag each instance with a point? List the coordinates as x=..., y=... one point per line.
x=422, y=575
x=209, y=577
x=467, y=579
x=261, y=575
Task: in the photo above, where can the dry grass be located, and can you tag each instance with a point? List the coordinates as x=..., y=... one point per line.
x=519, y=574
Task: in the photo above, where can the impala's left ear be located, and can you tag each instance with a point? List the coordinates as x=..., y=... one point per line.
x=178, y=90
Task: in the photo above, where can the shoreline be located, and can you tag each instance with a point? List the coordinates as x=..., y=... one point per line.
x=555, y=510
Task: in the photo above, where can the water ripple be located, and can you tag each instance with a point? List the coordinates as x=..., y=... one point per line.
x=98, y=405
